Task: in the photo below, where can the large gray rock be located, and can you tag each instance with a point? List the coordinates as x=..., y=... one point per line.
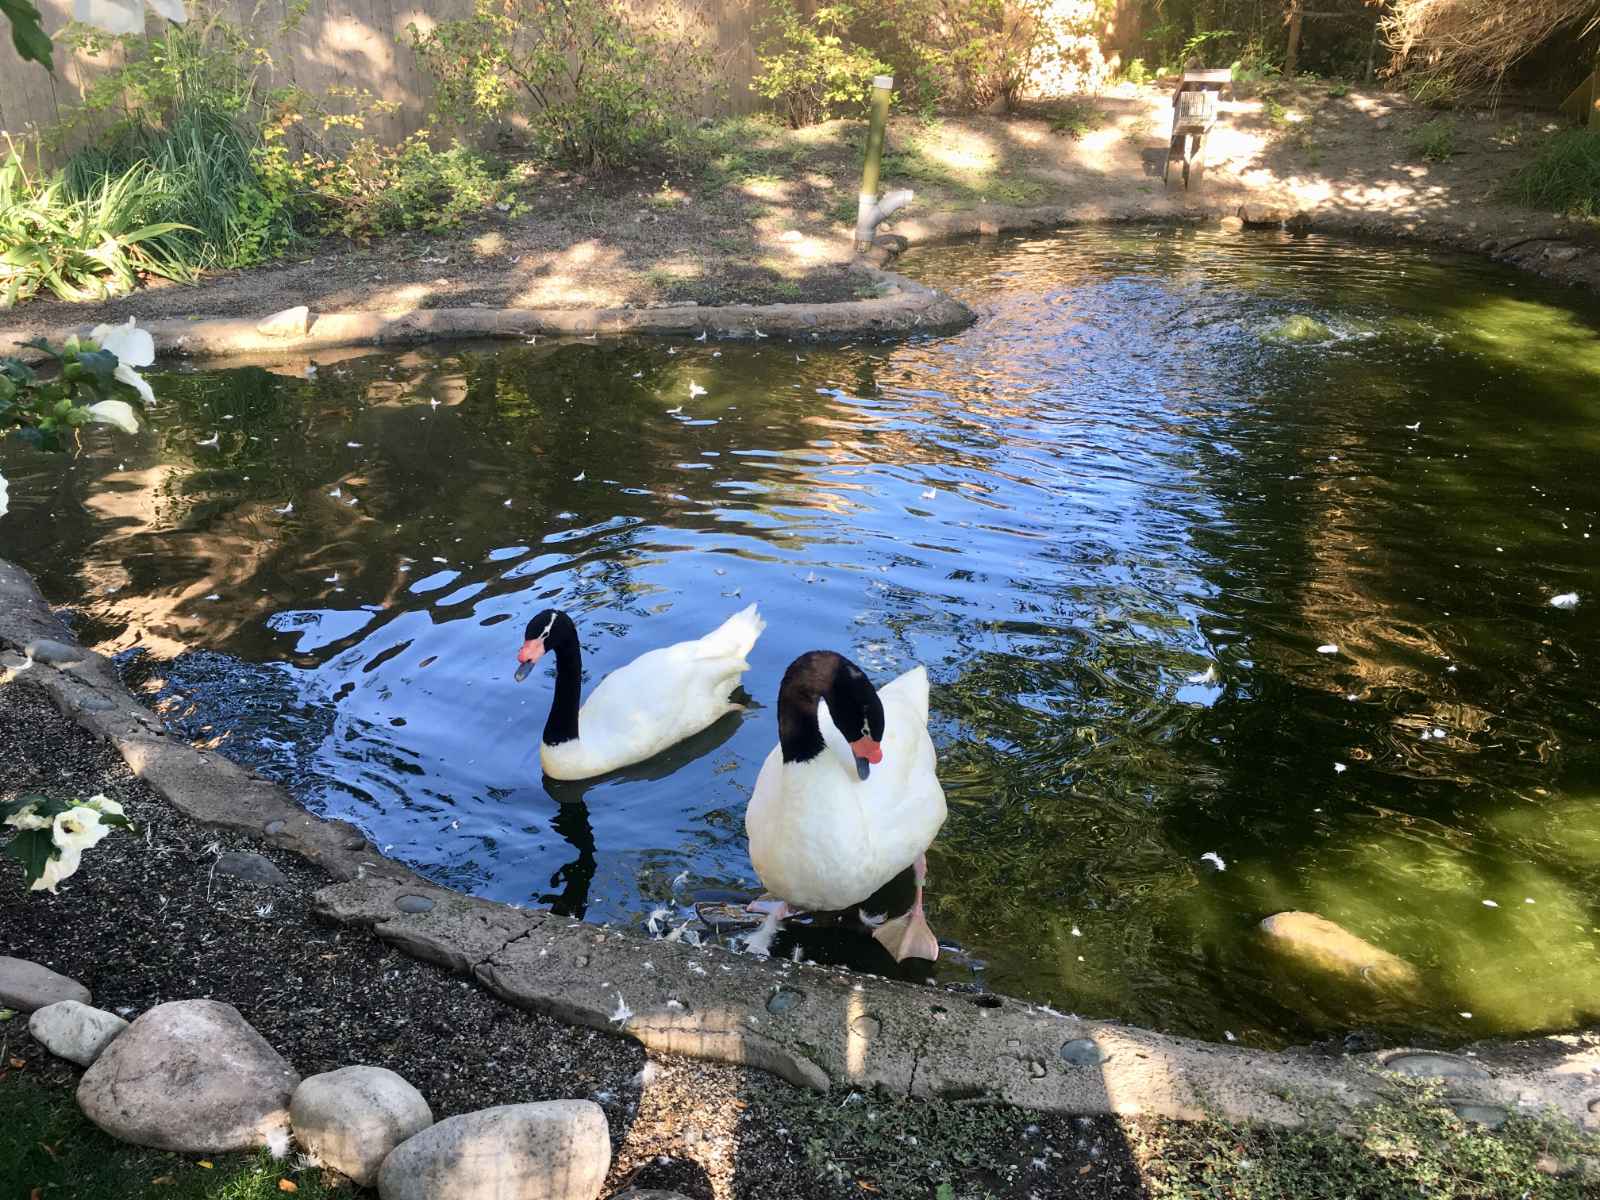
x=26, y=986
x=351, y=1118
x=75, y=1031
x=190, y=1076
x=557, y=1150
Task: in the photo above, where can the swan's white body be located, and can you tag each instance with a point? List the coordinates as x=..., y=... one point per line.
x=823, y=839
x=657, y=700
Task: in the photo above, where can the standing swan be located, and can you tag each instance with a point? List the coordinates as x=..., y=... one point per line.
x=826, y=829
x=640, y=709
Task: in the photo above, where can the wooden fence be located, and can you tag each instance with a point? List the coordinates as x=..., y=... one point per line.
x=363, y=44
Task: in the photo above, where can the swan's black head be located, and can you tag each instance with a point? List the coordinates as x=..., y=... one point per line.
x=853, y=705
x=549, y=630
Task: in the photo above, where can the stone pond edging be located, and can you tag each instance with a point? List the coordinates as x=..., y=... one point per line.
x=903, y=306
x=816, y=1027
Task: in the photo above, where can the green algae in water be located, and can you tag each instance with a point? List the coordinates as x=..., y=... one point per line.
x=1298, y=328
x=1114, y=521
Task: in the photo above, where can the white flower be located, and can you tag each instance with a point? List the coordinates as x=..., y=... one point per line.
x=124, y=16
x=28, y=819
x=64, y=864
x=78, y=828
x=104, y=803
x=116, y=412
x=134, y=347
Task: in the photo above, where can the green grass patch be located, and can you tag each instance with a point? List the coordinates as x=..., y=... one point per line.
x=1400, y=1150
x=1565, y=178
x=1434, y=141
x=50, y=1149
x=1076, y=117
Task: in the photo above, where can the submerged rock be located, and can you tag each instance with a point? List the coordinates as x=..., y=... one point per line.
x=554, y=1150
x=75, y=1031
x=26, y=986
x=190, y=1076
x=1317, y=942
x=350, y=1119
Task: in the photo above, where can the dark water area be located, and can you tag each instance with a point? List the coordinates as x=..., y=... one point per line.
x=1231, y=560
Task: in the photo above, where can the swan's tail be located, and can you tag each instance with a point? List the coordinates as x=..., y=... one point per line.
x=735, y=636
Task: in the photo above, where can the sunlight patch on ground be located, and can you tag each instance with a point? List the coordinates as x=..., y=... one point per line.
x=964, y=150
x=774, y=191
x=487, y=245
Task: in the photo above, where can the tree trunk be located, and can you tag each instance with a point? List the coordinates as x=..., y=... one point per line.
x=1291, y=56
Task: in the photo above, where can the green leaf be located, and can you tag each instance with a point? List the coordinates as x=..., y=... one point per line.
x=27, y=33
x=116, y=820
x=101, y=366
x=33, y=849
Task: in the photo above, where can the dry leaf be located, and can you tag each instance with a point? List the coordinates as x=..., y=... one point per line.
x=19, y=1063
x=1085, y=1169
x=50, y=1150
x=163, y=1179
x=865, y=1186
x=206, y=1163
x=288, y=1185
x=36, y=1194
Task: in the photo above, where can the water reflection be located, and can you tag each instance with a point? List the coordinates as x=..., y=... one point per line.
x=1117, y=520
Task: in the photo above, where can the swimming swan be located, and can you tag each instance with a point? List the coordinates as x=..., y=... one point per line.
x=639, y=709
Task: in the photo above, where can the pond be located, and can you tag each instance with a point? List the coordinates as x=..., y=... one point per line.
x=1231, y=559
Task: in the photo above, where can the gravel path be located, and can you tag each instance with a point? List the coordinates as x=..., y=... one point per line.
x=148, y=919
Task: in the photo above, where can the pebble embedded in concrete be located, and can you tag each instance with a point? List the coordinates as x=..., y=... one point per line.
x=1084, y=1052
x=413, y=904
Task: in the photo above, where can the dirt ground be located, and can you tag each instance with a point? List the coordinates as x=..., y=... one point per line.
x=764, y=214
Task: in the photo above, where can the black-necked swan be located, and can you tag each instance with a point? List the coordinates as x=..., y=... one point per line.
x=827, y=828
x=640, y=709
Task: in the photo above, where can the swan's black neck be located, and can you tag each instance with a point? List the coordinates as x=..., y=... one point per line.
x=799, y=734
x=813, y=677
x=562, y=724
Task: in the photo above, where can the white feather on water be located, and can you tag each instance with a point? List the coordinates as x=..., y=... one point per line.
x=1565, y=600
x=1215, y=859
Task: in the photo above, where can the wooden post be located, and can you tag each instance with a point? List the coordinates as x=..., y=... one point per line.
x=1291, y=56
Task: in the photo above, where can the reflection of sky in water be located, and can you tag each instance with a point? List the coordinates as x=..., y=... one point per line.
x=1116, y=520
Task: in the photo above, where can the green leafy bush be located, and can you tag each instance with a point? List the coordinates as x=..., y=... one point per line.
x=83, y=247
x=968, y=54
x=1565, y=177
x=1434, y=141
x=600, y=84
x=807, y=69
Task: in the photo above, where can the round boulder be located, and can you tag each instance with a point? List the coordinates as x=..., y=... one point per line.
x=26, y=986
x=351, y=1118
x=190, y=1076
x=75, y=1031
x=556, y=1150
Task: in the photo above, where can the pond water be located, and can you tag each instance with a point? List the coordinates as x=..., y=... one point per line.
x=1117, y=520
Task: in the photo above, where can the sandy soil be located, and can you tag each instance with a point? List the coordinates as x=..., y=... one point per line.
x=766, y=216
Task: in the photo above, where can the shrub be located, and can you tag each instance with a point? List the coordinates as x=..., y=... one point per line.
x=600, y=84
x=807, y=69
x=1565, y=178
x=1434, y=141
x=83, y=247
x=970, y=54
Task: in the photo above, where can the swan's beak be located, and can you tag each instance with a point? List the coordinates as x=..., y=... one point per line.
x=532, y=651
x=867, y=751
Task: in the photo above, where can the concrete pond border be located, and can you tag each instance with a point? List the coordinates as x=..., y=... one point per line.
x=902, y=307
x=817, y=1027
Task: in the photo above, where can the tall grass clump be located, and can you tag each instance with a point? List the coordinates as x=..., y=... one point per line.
x=1565, y=178
x=85, y=245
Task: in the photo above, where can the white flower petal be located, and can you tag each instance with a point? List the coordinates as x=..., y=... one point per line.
x=113, y=16
x=126, y=374
x=115, y=412
x=60, y=867
x=104, y=803
x=78, y=828
x=128, y=342
x=28, y=819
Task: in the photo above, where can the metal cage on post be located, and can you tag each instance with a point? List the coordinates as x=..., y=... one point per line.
x=1195, y=106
